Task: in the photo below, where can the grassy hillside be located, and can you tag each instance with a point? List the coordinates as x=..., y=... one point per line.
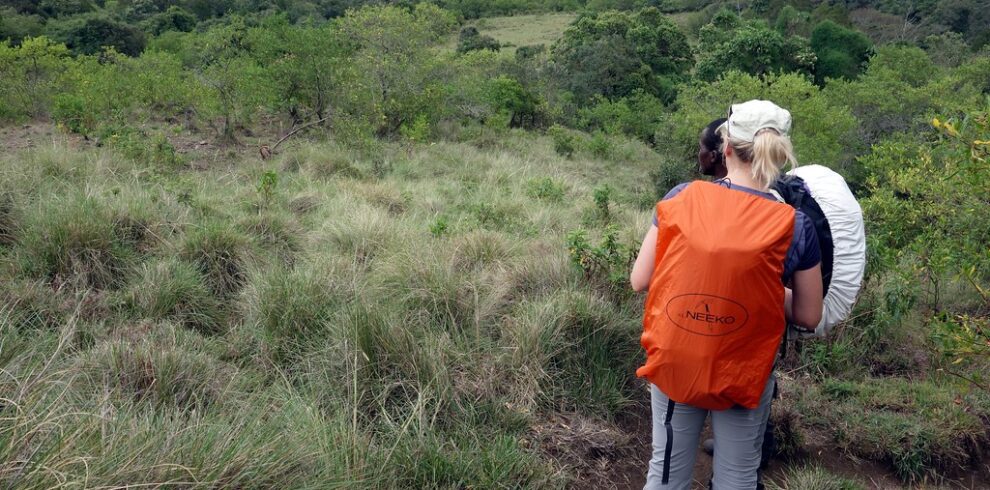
x=525, y=30
x=389, y=316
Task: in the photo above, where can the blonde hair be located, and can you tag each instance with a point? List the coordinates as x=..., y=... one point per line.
x=767, y=154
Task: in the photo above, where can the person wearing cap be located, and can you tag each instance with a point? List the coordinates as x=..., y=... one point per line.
x=755, y=147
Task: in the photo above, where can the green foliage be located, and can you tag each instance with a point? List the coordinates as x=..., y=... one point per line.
x=753, y=48
x=637, y=116
x=602, y=197
x=822, y=132
x=923, y=204
x=841, y=52
x=91, y=35
x=266, y=187
x=508, y=96
x=613, y=54
x=439, y=227
x=418, y=131
x=15, y=26
x=606, y=265
x=392, y=63
x=32, y=77
x=791, y=21
x=470, y=39
x=600, y=145
x=546, y=189
x=563, y=141
x=174, y=19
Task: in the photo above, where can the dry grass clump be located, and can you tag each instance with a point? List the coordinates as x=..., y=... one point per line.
x=156, y=364
x=221, y=254
x=172, y=289
x=76, y=241
x=277, y=235
x=813, y=478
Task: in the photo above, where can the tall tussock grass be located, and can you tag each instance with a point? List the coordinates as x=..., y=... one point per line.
x=391, y=316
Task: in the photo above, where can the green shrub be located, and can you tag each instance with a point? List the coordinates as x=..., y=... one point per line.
x=470, y=39
x=546, y=189
x=32, y=74
x=563, y=142
x=438, y=227
x=600, y=146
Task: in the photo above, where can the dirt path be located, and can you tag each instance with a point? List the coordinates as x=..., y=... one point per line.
x=604, y=455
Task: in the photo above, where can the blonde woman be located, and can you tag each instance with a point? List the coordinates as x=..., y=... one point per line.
x=715, y=264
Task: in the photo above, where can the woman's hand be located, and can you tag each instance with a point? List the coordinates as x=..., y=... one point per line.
x=642, y=270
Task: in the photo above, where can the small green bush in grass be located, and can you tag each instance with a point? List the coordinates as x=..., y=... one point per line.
x=171, y=289
x=563, y=142
x=600, y=146
x=546, y=189
x=438, y=227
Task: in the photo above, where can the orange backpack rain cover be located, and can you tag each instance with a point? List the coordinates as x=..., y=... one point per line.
x=714, y=314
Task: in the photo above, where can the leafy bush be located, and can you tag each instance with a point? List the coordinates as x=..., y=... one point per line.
x=637, y=116
x=563, y=142
x=751, y=48
x=841, y=52
x=613, y=54
x=91, y=35
x=470, y=39
x=546, y=189
x=32, y=76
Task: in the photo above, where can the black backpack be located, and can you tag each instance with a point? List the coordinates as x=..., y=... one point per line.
x=796, y=193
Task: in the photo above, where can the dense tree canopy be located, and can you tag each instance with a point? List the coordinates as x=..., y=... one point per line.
x=614, y=53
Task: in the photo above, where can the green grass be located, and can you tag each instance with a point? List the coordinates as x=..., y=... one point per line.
x=167, y=325
x=525, y=30
x=189, y=326
x=919, y=428
x=813, y=478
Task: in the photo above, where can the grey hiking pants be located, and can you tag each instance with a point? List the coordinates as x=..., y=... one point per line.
x=677, y=428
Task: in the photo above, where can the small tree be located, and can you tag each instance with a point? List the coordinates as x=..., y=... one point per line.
x=841, y=52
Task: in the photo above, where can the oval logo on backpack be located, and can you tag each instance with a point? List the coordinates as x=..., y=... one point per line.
x=705, y=314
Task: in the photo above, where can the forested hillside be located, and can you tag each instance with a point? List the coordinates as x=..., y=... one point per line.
x=340, y=243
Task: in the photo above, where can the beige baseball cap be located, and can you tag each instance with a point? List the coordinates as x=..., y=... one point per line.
x=748, y=118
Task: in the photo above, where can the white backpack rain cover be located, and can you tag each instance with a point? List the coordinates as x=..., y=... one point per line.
x=845, y=220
